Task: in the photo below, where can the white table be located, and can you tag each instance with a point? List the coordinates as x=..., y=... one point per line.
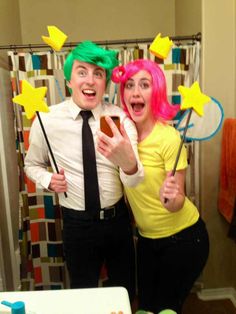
x=113, y=300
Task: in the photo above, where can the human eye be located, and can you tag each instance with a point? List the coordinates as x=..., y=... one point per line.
x=145, y=84
x=99, y=74
x=129, y=85
x=82, y=72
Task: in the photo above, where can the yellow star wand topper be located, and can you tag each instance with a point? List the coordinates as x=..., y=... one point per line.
x=193, y=98
x=32, y=99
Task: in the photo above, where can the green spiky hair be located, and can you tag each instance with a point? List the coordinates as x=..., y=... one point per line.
x=89, y=52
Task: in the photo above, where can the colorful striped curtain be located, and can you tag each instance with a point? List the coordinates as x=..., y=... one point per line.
x=42, y=263
x=41, y=249
x=181, y=67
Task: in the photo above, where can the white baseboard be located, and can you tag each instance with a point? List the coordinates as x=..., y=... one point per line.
x=218, y=294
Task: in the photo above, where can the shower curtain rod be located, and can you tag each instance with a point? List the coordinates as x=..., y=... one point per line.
x=196, y=37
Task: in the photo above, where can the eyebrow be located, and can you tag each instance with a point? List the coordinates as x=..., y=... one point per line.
x=79, y=66
x=100, y=68
x=141, y=79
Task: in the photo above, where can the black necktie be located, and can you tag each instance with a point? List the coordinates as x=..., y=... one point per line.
x=91, y=190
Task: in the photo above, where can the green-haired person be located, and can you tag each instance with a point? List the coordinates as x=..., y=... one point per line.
x=103, y=234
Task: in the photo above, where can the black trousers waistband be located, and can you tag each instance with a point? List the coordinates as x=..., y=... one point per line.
x=107, y=213
x=188, y=231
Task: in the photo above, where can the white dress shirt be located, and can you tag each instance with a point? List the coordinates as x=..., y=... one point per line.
x=63, y=126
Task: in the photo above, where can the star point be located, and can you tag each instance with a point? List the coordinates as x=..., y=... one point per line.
x=193, y=98
x=32, y=99
x=56, y=38
x=160, y=47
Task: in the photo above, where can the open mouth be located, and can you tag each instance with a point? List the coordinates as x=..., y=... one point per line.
x=137, y=106
x=89, y=92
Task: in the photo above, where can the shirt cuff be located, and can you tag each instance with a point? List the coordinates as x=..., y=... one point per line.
x=45, y=181
x=131, y=180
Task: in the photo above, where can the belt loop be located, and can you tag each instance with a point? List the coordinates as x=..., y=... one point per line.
x=112, y=211
x=101, y=214
x=108, y=213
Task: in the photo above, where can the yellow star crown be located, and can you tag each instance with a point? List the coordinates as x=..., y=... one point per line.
x=160, y=47
x=32, y=99
x=56, y=38
x=193, y=98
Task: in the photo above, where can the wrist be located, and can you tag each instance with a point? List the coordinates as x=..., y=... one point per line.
x=131, y=170
x=175, y=204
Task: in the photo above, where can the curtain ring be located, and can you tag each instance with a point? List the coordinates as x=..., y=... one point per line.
x=14, y=49
x=178, y=43
x=30, y=48
x=70, y=46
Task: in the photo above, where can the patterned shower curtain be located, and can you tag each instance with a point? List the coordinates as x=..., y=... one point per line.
x=181, y=67
x=42, y=264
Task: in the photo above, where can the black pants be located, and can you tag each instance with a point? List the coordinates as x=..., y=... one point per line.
x=168, y=267
x=88, y=243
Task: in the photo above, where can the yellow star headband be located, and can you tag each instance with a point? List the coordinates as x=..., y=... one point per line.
x=160, y=47
x=56, y=38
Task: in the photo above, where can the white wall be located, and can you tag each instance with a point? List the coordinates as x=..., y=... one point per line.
x=188, y=17
x=218, y=80
x=96, y=19
x=10, y=30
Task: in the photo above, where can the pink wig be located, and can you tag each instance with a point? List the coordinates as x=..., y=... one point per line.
x=161, y=108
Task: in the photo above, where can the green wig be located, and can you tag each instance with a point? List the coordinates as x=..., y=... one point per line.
x=89, y=52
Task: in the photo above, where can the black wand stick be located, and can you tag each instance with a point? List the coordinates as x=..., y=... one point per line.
x=49, y=147
x=180, y=146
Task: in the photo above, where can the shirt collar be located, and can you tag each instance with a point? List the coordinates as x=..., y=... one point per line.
x=75, y=110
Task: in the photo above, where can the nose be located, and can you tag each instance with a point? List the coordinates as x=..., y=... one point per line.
x=136, y=91
x=90, y=79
